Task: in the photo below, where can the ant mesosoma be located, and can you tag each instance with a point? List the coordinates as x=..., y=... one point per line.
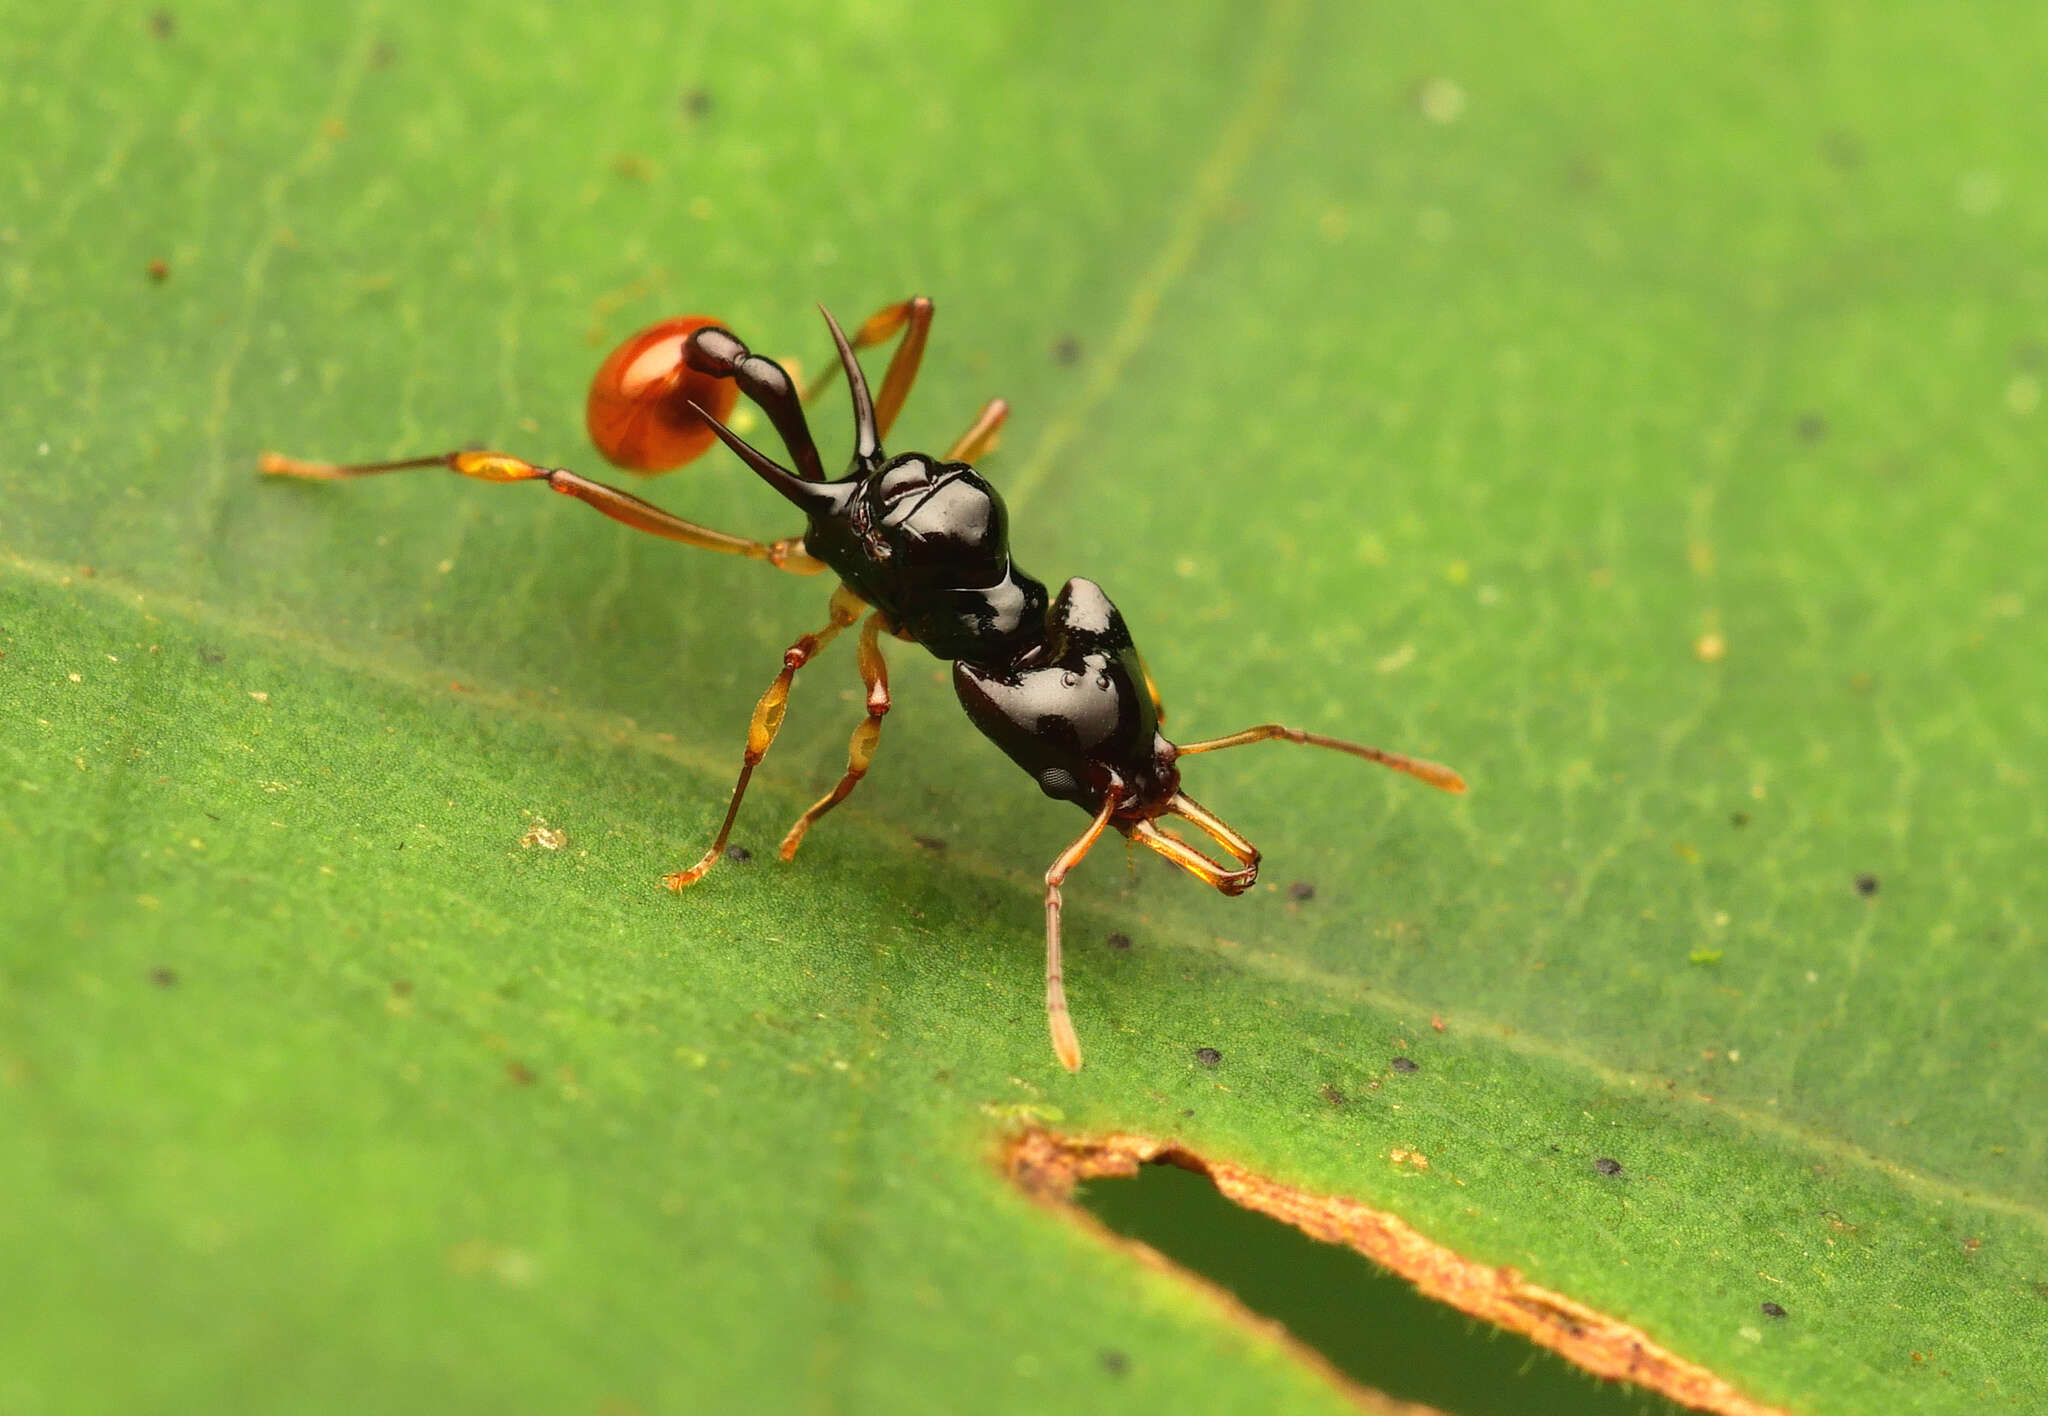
x=921, y=548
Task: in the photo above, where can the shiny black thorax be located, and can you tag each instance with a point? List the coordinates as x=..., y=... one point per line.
x=1058, y=687
x=928, y=544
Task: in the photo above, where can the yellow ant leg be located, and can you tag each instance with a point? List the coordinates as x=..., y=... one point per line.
x=914, y=318
x=1065, y=1044
x=785, y=554
x=767, y=721
x=874, y=672
x=980, y=438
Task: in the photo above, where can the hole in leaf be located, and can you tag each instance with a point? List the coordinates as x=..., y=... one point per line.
x=1368, y=1323
x=1391, y=1329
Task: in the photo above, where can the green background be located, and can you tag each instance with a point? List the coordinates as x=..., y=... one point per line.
x=1639, y=412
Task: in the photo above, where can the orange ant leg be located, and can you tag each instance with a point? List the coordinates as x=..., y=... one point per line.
x=1065, y=1045
x=874, y=672
x=1152, y=691
x=914, y=318
x=980, y=438
x=767, y=722
x=1434, y=773
x=785, y=554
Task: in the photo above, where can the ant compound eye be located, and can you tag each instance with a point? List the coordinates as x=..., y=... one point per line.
x=639, y=413
x=1059, y=783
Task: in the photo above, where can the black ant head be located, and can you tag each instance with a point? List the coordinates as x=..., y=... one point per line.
x=1078, y=716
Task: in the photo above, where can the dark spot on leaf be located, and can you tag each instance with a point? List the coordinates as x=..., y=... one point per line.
x=163, y=24
x=1607, y=1165
x=1866, y=884
x=1120, y=942
x=2040, y=1289
x=697, y=103
x=1811, y=427
x=1114, y=1362
x=383, y=54
x=1770, y=1309
x=2028, y=353
x=520, y=1073
x=159, y=270
x=212, y=655
x=1208, y=1056
x=930, y=843
x=1843, y=150
x=1334, y=1096
x=1066, y=350
x=1738, y=819
x=1403, y=1064
x=163, y=977
x=1301, y=890
x=1584, y=173
x=738, y=855
x=401, y=988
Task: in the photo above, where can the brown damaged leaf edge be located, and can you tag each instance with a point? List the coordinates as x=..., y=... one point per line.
x=1048, y=1167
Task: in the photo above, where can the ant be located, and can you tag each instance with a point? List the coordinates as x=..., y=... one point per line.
x=922, y=550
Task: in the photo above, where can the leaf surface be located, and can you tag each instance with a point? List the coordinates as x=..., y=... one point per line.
x=1640, y=413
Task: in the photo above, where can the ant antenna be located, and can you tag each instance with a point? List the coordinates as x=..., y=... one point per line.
x=1434, y=773
x=867, y=441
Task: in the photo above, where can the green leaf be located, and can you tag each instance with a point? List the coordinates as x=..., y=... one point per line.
x=1638, y=411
